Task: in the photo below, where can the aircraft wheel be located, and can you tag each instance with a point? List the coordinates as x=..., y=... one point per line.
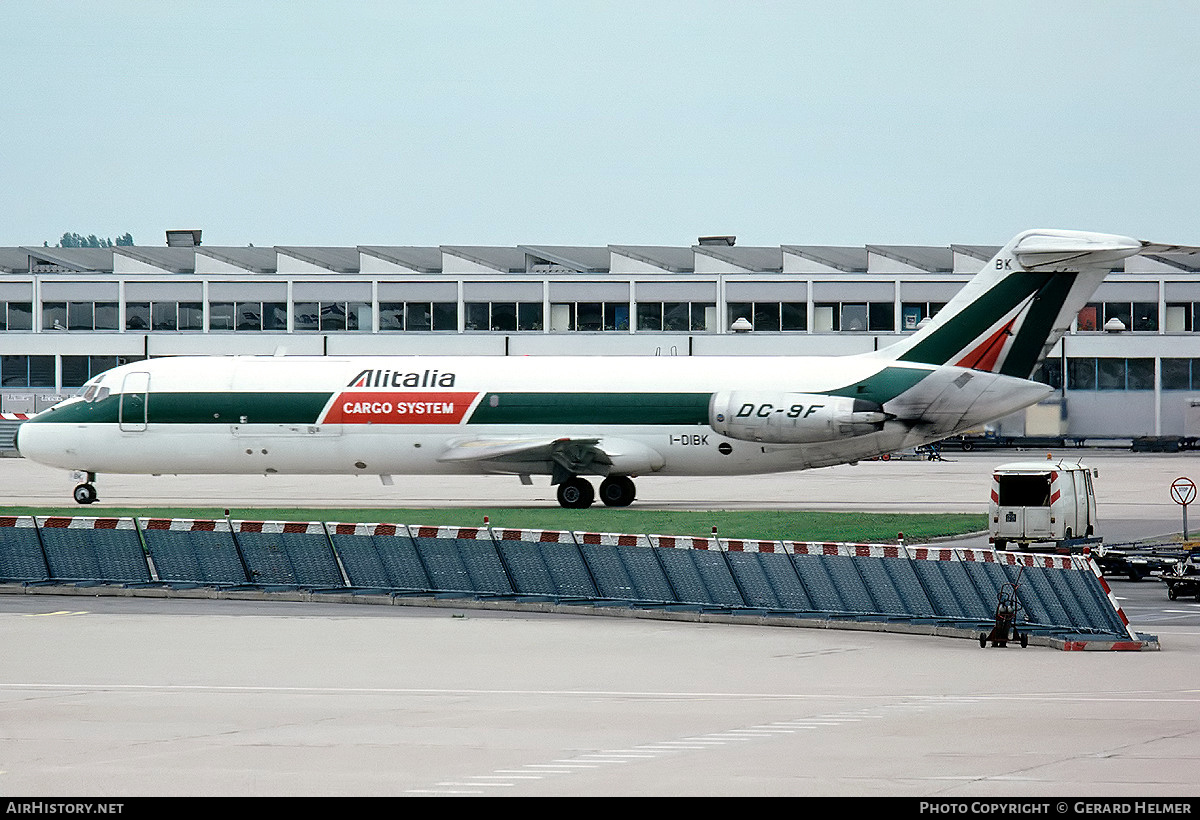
x=576, y=493
x=84, y=494
x=617, y=491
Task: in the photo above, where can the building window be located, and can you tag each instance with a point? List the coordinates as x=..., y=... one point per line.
x=1139, y=316
x=913, y=313
x=76, y=370
x=16, y=316
x=27, y=371
x=161, y=316
x=79, y=315
x=418, y=316
x=503, y=316
x=854, y=316
x=1182, y=317
x=589, y=316
x=792, y=316
x=1181, y=374
x=675, y=316
x=1049, y=372
x=1105, y=373
x=260, y=316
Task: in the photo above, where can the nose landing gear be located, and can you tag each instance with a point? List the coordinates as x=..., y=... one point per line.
x=85, y=493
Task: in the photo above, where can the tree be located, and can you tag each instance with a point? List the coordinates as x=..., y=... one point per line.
x=74, y=240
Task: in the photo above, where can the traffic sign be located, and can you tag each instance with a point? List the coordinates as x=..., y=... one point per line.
x=1183, y=491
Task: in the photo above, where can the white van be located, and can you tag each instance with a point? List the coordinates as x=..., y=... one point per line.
x=1041, y=501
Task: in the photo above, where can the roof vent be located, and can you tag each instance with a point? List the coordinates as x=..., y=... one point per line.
x=183, y=239
x=717, y=240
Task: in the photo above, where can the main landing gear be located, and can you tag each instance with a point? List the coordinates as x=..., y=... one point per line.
x=576, y=493
x=85, y=493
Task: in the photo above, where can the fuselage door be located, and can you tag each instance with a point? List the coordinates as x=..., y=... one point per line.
x=134, y=401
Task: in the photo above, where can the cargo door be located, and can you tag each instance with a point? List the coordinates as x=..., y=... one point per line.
x=132, y=413
x=1066, y=506
x=1089, y=500
x=1023, y=506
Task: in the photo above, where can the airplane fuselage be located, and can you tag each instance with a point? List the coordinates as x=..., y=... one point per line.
x=424, y=415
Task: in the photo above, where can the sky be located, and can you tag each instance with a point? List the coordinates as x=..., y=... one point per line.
x=595, y=123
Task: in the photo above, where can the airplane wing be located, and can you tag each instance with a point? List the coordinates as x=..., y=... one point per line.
x=561, y=457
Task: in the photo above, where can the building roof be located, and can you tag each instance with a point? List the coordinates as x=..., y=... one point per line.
x=767, y=260
x=520, y=258
x=420, y=259
x=848, y=260
x=570, y=257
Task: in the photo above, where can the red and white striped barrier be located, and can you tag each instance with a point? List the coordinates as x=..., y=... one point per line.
x=740, y=545
x=611, y=539
x=62, y=522
x=15, y=416
x=367, y=529
x=932, y=553
x=22, y=521
x=183, y=525
x=464, y=533
x=684, y=542
x=536, y=536
x=278, y=527
x=850, y=550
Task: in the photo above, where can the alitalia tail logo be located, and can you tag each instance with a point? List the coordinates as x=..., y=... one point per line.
x=395, y=378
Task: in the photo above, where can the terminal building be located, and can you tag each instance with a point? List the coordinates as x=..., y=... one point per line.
x=1129, y=367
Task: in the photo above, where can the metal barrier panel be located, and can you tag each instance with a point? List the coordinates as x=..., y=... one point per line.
x=751, y=577
x=622, y=564
x=764, y=572
x=949, y=591
x=287, y=553
x=697, y=570
x=188, y=551
x=461, y=559
x=106, y=550
x=21, y=557
x=814, y=575
x=878, y=584
x=545, y=562
x=985, y=576
x=379, y=556
x=908, y=586
x=1094, y=596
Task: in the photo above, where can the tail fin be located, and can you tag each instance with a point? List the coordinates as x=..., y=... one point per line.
x=1006, y=319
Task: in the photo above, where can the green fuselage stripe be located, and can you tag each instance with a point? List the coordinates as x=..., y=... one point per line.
x=196, y=408
x=592, y=408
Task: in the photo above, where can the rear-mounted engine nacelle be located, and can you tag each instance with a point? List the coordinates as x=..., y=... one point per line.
x=792, y=418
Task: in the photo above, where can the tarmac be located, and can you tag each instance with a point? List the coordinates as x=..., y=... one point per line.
x=114, y=697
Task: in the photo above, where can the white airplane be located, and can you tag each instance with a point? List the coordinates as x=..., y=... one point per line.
x=571, y=417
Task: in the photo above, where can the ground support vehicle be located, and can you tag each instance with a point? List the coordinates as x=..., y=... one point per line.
x=1184, y=577
x=1137, y=562
x=1041, y=502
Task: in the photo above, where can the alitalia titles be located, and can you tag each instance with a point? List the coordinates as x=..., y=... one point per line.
x=395, y=378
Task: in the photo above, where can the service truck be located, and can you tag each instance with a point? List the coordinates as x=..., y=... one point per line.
x=1037, y=502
